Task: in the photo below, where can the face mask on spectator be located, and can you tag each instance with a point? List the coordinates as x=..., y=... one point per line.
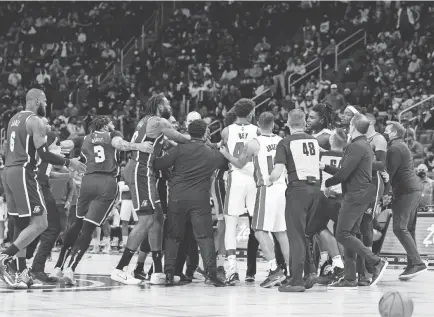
x=421, y=174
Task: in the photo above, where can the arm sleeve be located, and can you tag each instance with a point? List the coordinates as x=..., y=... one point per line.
x=281, y=157
x=351, y=160
x=393, y=160
x=168, y=160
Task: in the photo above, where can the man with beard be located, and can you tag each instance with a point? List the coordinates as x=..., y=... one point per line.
x=26, y=136
x=98, y=193
x=319, y=124
x=347, y=116
x=141, y=178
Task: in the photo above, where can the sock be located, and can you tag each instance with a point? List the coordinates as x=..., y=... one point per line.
x=288, y=271
x=322, y=259
x=21, y=264
x=156, y=258
x=220, y=260
x=337, y=262
x=11, y=250
x=76, y=258
x=125, y=259
x=232, y=260
x=272, y=265
x=124, y=240
x=140, y=267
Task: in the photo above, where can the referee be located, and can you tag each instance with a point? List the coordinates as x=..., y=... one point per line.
x=192, y=165
x=300, y=154
x=355, y=175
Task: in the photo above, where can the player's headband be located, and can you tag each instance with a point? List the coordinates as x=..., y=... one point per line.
x=352, y=109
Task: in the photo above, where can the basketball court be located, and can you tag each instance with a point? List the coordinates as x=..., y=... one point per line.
x=96, y=295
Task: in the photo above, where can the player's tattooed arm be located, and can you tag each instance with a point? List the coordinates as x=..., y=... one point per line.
x=163, y=126
x=120, y=144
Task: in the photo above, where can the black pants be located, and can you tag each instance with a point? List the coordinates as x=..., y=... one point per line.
x=198, y=212
x=367, y=237
x=56, y=222
x=404, y=213
x=187, y=252
x=350, y=217
x=301, y=203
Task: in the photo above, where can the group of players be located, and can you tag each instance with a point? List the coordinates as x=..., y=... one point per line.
x=253, y=182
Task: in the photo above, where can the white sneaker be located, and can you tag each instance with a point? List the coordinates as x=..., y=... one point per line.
x=124, y=277
x=68, y=276
x=57, y=273
x=158, y=279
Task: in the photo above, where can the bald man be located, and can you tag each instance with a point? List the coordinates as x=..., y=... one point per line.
x=194, y=115
x=355, y=175
x=27, y=136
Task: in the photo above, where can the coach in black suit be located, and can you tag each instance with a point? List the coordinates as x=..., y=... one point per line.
x=355, y=175
x=192, y=165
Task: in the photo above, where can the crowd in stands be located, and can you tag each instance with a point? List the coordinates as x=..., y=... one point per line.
x=209, y=54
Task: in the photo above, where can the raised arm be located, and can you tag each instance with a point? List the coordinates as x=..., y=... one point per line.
x=161, y=125
x=250, y=150
x=36, y=127
x=120, y=144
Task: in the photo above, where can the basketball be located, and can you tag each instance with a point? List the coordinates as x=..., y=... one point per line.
x=395, y=304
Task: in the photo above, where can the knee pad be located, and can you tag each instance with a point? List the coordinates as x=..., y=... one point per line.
x=21, y=223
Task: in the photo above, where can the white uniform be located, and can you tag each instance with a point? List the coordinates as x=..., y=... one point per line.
x=127, y=208
x=269, y=212
x=241, y=187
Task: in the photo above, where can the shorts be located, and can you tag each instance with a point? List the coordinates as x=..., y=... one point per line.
x=163, y=193
x=269, y=212
x=328, y=209
x=143, y=186
x=98, y=195
x=23, y=194
x=218, y=193
x=240, y=193
x=127, y=210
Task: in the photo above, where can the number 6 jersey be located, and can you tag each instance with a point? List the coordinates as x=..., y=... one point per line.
x=100, y=155
x=238, y=136
x=264, y=161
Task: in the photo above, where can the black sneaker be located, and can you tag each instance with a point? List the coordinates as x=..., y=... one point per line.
x=363, y=281
x=186, y=279
x=221, y=273
x=250, y=278
x=140, y=275
x=379, y=270
x=343, y=283
x=326, y=279
x=310, y=280
x=412, y=271
x=274, y=277
x=288, y=288
x=234, y=279
x=170, y=279
x=41, y=278
x=212, y=279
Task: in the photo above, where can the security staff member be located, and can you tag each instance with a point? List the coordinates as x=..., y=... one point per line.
x=355, y=175
x=407, y=191
x=300, y=153
x=189, y=188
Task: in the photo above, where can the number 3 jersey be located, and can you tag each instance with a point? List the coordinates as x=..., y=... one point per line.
x=332, y=158
x=99, y=153
x=239, y=135
x=264, y=162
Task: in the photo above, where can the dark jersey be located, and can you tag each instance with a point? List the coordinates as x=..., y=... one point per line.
x=99, y=154
x=21, y=150
x=332, y=158
x=299, y=152
x=142, y=135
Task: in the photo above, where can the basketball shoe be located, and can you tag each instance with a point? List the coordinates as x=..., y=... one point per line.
x=124, y=277
x=274, y=277
x=68, y=276
x=6, y=272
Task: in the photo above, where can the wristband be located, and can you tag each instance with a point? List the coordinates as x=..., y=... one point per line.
x=67, y=163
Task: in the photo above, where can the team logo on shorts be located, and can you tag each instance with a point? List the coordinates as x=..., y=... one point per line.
x=37, y=210
x=144, y=203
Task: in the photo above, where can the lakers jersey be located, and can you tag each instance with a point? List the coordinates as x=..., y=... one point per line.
x=332, y=158
x=264, y=161
x=239, y=135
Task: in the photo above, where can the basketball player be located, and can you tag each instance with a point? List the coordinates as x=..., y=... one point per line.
x=379, y=146
x=140, y=176
x=348, y=115
x=127, y=210
x=328, y=209
x=299, y=152
x=269, y=212
x=26, y=136
x=241, y=188
x=98, y=193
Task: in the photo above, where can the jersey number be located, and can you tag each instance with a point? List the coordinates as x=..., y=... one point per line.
x=333, y=163
x=308, y=148
x=238, y=149
x=270, y=164
x=12, y=141
x=99, y=154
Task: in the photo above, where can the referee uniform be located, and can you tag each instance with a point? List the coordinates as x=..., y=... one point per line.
x=300, y=154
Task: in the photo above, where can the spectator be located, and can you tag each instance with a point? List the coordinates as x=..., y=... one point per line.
x=428, y=186
x=335, y=99
x=415, y=147
x=14, y=78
